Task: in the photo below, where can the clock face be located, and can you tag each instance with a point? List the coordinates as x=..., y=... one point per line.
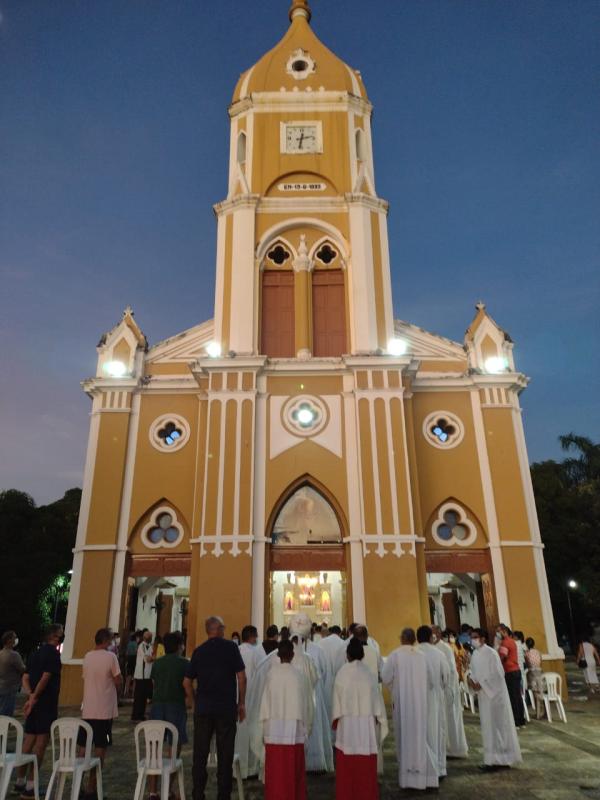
x=301, y=139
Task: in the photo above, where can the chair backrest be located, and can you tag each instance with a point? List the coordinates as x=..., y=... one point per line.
x=63, y=734
x=6, y=723
x=154, y=738
x=553, y=683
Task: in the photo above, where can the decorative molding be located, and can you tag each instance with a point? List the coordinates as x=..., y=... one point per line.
x=383, y=542
x=216, y=543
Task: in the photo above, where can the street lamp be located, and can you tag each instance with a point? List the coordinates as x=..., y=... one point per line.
x=571, y=584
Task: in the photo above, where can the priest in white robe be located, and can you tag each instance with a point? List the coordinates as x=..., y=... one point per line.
x=437, y=679
x=286, y=715
x=251, y=655
x=500, y=742
x=334, y=651
x=360, y=723
x=405, y=673
x=456, y=740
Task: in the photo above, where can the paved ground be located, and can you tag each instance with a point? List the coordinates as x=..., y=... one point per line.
x=561, y=762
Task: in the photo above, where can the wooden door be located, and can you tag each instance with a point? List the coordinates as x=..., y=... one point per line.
x=329, y=313
x=449, y=601
x=163, y=623
x=277, y=314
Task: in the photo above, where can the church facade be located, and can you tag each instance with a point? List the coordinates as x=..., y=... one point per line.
x=304, y=450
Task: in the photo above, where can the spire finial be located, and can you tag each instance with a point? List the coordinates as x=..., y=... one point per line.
x=300, y=8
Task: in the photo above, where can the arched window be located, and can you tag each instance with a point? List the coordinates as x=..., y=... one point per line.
x=306, y=518
x=241, y=149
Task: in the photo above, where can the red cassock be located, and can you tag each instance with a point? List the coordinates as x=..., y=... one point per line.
x=355, y=777
x=285, y=773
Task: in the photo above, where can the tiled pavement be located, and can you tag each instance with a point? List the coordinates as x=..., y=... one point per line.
x=560, y=762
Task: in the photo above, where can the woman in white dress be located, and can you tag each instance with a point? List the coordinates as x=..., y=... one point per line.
x=588, y=652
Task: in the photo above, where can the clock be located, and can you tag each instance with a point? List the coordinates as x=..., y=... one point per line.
x=301, y=137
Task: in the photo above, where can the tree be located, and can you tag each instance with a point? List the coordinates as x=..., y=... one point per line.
x=36, y=546
x=567, y=496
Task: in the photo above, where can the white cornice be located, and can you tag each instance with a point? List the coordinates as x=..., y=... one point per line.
x=269, y=102
x=239, y=201
x=365, y=200
x=284, y=205
x=452, y=382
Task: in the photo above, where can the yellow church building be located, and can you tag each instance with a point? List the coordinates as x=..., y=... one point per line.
x=303, y=450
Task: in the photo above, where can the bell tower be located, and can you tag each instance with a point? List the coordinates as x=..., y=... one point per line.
x=302, y=249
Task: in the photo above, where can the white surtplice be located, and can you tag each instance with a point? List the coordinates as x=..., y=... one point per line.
x=498, y=732
x=309, y=659
x=334, y=652
x=359, y=708
x=251, y=656
x=437, y=680
x=405, y=672
x=456, y=740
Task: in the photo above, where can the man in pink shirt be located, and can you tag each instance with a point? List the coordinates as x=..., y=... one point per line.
x=101, y=682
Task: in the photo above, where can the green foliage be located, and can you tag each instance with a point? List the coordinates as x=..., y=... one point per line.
x=567, y=496
x=36, y=546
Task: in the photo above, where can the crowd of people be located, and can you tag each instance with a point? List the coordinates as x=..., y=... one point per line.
x=306, y=699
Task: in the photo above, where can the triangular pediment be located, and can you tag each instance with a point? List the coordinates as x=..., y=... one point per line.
x=423, y=344
x=184, y=347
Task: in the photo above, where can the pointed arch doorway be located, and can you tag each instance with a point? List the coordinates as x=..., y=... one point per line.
x=307, y=559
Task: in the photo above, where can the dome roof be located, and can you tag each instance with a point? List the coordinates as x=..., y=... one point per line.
x=299, y=62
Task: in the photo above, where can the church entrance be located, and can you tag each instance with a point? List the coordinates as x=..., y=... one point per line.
x=157, y=595
x=307, y=561
x=461, y=590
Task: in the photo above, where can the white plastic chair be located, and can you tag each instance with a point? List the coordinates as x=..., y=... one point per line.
x=552, y=694
x=470, y=695
x=237, y=770
x=154, y=762
x=10, y=761
x=67, y=763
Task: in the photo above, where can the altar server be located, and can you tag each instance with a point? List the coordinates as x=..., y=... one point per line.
x=437, y=678
x=456, y=740
x=251, y=655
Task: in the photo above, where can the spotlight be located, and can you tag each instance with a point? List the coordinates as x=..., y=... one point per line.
x=115, y=369
x=396, y=347
x=495, y=364
x=213, y=349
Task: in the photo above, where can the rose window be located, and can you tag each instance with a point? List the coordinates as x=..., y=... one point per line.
x=443, y=430
x=452, y=526
x=305, y=415
x=164, y=530
x=170, y=433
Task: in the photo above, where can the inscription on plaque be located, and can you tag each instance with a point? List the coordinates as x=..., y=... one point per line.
x=301, y=187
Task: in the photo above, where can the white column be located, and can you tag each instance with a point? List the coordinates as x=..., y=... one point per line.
x=124, y=513
x=363, y=317
x=354, y=509
x=243, y=283
x=84, y=513
x=258, y=515
x=534, y=532
x=490, y=511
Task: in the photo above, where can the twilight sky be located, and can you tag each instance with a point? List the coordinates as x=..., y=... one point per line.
x=114, y=138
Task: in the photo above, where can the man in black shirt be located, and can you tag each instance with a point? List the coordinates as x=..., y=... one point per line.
x=42, y=681
x=218, y=670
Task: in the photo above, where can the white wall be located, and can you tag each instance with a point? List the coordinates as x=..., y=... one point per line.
x=146, y=615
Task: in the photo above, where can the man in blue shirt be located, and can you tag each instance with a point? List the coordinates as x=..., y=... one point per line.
x=219, y=701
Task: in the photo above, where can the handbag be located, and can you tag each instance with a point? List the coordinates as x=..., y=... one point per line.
x=582, y=663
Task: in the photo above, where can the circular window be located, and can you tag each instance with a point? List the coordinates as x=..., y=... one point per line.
x=304, y=416
x=443, y=429
x=452, y=526
x=169, y=433
x=300, y=65
x=163, y=530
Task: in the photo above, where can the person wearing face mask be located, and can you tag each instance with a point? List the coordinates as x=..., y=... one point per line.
x=11, y=670
x=456, y=741
x=142, y=690
x=498, y=732
x=507, y=650
x=251, y=656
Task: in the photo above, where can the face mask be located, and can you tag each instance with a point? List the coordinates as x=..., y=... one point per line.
x=434, y=639
x=476, y=643
x=499, y=635
x=16, y=641
x=236, y=640
x=452, y=639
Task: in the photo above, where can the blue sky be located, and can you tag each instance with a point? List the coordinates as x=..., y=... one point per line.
x=114, y=139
